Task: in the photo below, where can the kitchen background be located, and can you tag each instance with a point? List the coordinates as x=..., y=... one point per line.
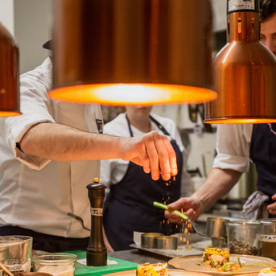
x=30, y=22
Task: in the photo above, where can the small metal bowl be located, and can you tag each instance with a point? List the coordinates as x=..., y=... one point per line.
x=219, y=242
x=166, y=242
x=148, y=240
x=216, y=227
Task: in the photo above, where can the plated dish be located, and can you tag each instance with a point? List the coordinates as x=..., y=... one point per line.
x=268, y=272
x=250, y=264
x=156, y=269
x=171, y=272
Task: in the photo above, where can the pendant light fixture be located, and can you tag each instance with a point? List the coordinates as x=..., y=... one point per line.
x=244, y=70
x=119, y=52
x=9, y=75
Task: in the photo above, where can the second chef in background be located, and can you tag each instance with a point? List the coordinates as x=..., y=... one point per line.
x=129, y=203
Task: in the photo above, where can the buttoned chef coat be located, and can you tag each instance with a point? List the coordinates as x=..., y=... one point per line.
x=113, y=170
x=36, y=193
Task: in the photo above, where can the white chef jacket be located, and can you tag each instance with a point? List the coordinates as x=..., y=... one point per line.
x=233, y=147
x=113, y=170
x=36, y=193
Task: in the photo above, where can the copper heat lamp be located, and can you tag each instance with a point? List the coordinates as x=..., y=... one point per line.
x=9, y=75
x=244, y=70
x=119, y=52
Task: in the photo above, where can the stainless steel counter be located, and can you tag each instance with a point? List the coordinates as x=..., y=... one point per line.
x=142, y=256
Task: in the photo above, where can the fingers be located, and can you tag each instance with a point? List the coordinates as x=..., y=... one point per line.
x=188, y=205
x=272, y=208
x=151, y=144
x=172, y=157
x=172, y=217
x=192, y=214
x=162, y=156
x=177, y=205
x=155, y=153
x=146, y=161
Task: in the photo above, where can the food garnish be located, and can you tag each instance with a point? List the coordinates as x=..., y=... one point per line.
x=268, y=271
x=156, y=269
x=219, y=259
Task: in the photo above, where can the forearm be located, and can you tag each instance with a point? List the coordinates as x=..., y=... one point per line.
x=219, y=182
x=152, y=151
x=62, y=143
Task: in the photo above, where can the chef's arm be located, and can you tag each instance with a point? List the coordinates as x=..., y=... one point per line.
x=63, y=143
x=58, y=142
x=218, y=183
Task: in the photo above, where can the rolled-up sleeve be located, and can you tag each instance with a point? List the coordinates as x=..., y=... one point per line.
x=35, y=107
x=233, y=147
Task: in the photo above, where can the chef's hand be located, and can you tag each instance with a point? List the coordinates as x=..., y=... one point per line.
x=153, y=152
x=189, y=205
x=272, y=207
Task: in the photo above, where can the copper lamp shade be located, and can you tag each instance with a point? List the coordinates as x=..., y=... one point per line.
x=245, y=74
x=9, y=75
x=119, y=52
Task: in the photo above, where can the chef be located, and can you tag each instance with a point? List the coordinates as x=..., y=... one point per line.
x=236, y=145
x=50, y=153
x=129, y=204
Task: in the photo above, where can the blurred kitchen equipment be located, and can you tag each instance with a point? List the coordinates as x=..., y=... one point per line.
x=57, y=264
x=148, y=240
x=166, y=242
x=219, y=242
x=268, y=238
x=183, y=216
x=9, y=74
x=15, y=252
x=196, y=179
x=96, y=250
x=244, y=70
x=147, y=52
x=192, y=108
x=243, y=237
x=216, y=227
x=195, y=172
x=204, y=165
x=196, y=182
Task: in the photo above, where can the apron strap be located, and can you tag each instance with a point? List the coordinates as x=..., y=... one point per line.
x=152, y=119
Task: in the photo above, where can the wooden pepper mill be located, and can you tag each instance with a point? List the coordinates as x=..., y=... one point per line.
x=96, y=251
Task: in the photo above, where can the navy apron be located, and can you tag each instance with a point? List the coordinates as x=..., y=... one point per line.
x=129, y=204
x=263, y=154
